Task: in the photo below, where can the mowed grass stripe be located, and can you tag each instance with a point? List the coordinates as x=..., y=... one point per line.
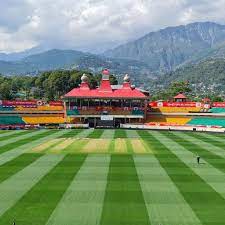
x=83, y=201
x=139, y=147
x=22, y=136
x=207, y=146
x=108, y=134
x=73, y=145
x=207, y=204
x=213, y=136
x=136, y=142
x=120, y=133
x=132, y=134
x=120, y=146
x=76, y=146
x=219, y=135
x=72, y=133
x=97, y=133
x=129, y=146
x=14, y=135
x=59, y=148
x=214, y=177
x=215, y=160
x=212, y=139
x=33, y=137
x=43, y=147
x=12, y=189
x=111, y=148
x=14, y=166
x=124, y=203
x=97, y=146
x=10, y=132
x=164, y=201
x=28, y=146
x=36, y=206
x=3, y=131
x=85, y=133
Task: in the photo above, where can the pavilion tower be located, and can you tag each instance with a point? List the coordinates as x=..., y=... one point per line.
x=105, y=83
x=84, y=82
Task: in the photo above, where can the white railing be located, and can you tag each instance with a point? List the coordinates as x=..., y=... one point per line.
x=181, y=128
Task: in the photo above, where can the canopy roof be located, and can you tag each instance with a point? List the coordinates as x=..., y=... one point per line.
x=105, y=90
x=181, y=95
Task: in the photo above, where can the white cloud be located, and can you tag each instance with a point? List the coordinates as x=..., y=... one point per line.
x=93, y=25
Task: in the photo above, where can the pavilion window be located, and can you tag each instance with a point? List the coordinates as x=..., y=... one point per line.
x=85, y=102
x=127, y=103
x=78, y=103
x=92, y=103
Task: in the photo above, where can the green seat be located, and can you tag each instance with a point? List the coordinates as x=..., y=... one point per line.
x=137, y=112
x=6, y=108
x=72, y=112
x=217, y=110
x=11, y=120
x=208, y=121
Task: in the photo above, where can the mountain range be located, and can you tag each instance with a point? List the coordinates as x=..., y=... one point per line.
x=154, y=54
x=169, y=48
x=71, y=59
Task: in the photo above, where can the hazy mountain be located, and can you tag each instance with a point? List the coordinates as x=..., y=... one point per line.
x=20, y=55
x=156, y=52
x=168, y=48
x=71, y=59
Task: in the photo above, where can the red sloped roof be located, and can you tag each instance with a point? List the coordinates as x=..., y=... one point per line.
x=105, y=86
x=105, y=92
x=180, y=96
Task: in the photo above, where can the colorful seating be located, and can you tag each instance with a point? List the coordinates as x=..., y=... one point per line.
x=176, y=109
x=217, y=110
x=11, y=120
x=137, y=112
x=72, y=112
x=6, y=108
x=43, y=120
x=206, y=121
x=166, y=120
x=40, y=108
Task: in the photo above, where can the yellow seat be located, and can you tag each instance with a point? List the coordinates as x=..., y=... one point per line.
x=41, y=108
x=43, y=120
x=176, y=109
x=168, y=120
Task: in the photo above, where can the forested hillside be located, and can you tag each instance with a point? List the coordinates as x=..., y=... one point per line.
x=206, y=77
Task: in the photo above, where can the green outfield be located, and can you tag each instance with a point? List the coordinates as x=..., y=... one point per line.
x=111, y=177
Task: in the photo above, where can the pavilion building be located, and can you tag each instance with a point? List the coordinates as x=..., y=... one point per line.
x=180, y=98
x=106, y=106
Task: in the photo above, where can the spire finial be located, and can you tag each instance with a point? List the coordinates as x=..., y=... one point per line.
x=126, y=78
x=84, y=78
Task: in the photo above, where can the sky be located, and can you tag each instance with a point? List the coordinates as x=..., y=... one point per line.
x=95, y=25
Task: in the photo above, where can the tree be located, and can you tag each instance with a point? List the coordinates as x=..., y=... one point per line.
x=6, y=90
x=179, y=87
x=49, y=85
x=113, y=80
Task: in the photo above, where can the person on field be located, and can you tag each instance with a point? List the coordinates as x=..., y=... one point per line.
x=198, y=159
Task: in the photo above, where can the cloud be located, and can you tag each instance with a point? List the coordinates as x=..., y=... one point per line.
x=14, y=13
x=94, y=25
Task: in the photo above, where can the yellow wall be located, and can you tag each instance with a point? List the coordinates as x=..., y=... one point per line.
x=43, y=120
x=41, y=108
x=176, y=109
x=168, y=120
